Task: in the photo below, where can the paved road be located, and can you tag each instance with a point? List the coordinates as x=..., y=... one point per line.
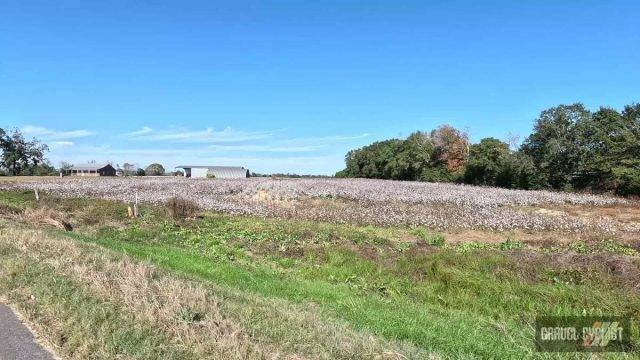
x=16, y=341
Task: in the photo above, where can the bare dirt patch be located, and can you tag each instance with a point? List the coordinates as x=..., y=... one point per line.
x=621, y=213
x=466, y=236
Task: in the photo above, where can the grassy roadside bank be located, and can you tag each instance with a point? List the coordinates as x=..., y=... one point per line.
x=307, y=289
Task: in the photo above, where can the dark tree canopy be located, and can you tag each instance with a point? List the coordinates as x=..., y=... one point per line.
x=486, y=159
x=553, y=145
x=22, y=157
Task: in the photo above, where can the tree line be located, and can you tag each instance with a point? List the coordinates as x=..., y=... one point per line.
x=19, y=156
x=570, y=148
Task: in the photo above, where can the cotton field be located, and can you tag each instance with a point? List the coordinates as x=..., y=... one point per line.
x=380, y=202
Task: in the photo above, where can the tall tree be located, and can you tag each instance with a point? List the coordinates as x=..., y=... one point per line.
x=486, y=159
x=128, y=169
x=627, y=174
x=414, y=156
x=552, y=145
x=452, y=146
x=603, y=142
x=19, y=156
x=375, y=161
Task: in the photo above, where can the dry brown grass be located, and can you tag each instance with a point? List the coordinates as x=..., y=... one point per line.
x=622, y=213
x=193, y=316
x=15, y=179
x=8, y=211
x=38, y=216
x=46, y=216
x=180, y=209
x=621, y=269
x=180, y=308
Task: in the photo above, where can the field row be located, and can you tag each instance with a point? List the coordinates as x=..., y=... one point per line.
x=379, y=202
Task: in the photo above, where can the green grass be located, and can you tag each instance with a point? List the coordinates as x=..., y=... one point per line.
x=429, y=237
x=17, y=200
x=474, y=300
x=426, y=299
x=79, y=324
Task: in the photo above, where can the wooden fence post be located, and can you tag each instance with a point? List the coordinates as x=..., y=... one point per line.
x=135, y=206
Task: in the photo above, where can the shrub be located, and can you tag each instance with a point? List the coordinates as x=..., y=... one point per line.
x=180, y=208
x=154, y=169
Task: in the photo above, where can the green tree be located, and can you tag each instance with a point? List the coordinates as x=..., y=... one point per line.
x=154, y=169
x=414, y=154
x=626, y=174
x=553, y=147
x=22, y=157
x=627, y=181
x=604, y=142
x=375, y=161
x=518, y=171
x=486, y=160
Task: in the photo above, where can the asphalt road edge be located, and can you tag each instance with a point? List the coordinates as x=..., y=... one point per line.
x=36, y=337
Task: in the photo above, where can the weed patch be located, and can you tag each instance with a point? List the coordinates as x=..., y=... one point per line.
x=429, y=237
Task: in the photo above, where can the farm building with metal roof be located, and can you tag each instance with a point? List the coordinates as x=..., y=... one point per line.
x=93, y=170
x=217, y=172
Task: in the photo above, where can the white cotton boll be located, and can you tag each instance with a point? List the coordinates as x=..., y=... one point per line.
x=380, y=202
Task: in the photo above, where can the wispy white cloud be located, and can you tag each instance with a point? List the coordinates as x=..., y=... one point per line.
x=323, y=140
x=295, y=145
x=50, y=134
x=269, y=151
x=226, y=139
x=208, y=135
x=265, y=148
x=143, y=131
x=56, y=144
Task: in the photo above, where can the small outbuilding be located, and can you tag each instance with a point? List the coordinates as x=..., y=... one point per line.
x=93, y=170
x=218, y=172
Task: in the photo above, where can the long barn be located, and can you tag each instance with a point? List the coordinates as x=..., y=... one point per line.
x=93, y=170
x=217, y=172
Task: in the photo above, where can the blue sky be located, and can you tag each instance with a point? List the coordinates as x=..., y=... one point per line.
x=291, y=86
